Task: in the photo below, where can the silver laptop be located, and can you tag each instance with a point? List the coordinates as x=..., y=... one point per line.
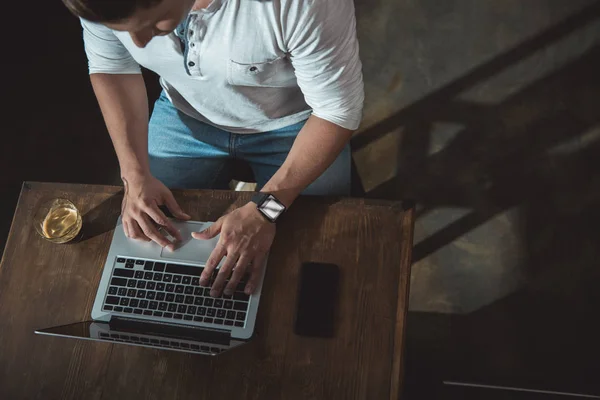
x=150, y=296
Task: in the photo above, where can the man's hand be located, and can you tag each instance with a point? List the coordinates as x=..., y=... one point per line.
x=246, y=237
x=140, y=212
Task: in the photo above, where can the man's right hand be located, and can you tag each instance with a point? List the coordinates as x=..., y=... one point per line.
x=141, y=215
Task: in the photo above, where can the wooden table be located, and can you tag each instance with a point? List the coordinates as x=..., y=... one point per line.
x=43, y=284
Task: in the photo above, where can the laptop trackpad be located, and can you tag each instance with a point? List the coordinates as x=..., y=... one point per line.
x=190, y=249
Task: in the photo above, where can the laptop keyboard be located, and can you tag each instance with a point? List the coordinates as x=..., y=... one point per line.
x=173, y=292
x=174, y=344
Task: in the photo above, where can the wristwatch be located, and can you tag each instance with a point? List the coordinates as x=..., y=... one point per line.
x=269, y=206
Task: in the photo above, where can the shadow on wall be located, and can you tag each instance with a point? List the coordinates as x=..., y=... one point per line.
x=536, y=151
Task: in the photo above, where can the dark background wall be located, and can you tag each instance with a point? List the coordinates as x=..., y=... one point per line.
x=485, y=112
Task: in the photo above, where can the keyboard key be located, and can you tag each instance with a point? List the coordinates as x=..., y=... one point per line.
x=118, y=309
x=196, y=281
x=167, y=278
x=198, y=301
x=228, y=322
x=228, y=304
x=162, y=306
x=160, y=296
x=131, y=293
x=176, y=279
x=198, y=291
x=141, y=294
x=218, y=321
x=158, y=276
x=108, y=308
x=241, y=296
x=147, y=276
x=130, y=261
x=139, y=262
x=151, y=295
x=198, y=319
x=131, y=283
x=134, y=303
x=128, y=310
x=202, y=311
x=218, y=303
x=129, y=265
x=139, y=274
x=170, y=297
x=144, y=304
x=221, y=313
x=208, y=320
x=124, y=301
x=207, y=292
x=189, y=299
x=179, y=298
x=227, y=296
x=148, y=265
x=118, y=282
x=211, y=312
x=241, y=316
x=240, y=306
x=160, y=286
x=147, y=312
x=141, y=284
x=120, y=260
x=172, y=307
x=153, y=305
x=179, y=289
x=170, y=287
x=137, y=311
x=187, y=280
x=191, y=310
x=112, y=290
x=208, y=302
x=123, y=291
x=178, y=316
x=157, y=313
x=182, y=308
x=160, y=267
x=124, y=273
x=195, y=347
x=239, y=323
x=189, y=290
x=187, y=318
x=168, y=315
x=230, y=314
x=112, y=300
x=184, y=269
x=151, y=285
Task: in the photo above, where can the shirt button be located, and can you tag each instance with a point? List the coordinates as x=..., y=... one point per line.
x=191, y=64
x=253, y=69
x=191, y=32
x=193, y=44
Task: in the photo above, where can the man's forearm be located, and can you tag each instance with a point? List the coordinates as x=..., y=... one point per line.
x=317, y=146
x=124, y=104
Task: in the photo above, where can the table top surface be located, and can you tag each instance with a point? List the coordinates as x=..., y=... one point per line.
x=44, y=284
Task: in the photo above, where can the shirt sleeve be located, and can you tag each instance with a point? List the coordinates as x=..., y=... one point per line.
x=321, y=41
x=105, y=52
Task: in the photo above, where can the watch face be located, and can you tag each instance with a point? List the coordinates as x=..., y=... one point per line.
x=272, y=208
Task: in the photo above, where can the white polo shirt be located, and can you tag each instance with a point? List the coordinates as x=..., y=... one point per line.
x=249, y=66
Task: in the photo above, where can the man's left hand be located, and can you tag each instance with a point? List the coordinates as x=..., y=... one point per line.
x=246, y=237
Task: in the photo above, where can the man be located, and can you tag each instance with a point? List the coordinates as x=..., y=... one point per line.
x=276, y=83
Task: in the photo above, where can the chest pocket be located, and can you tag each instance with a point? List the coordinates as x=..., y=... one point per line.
x=275, y=73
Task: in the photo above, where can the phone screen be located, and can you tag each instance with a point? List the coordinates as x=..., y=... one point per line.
x=317, y=298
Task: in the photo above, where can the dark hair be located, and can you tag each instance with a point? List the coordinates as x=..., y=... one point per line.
x=107, y=10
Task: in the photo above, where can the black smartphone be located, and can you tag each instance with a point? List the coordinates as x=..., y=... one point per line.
x=317, y=299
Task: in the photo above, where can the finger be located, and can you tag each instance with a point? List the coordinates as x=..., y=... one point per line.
x=224, y=273
x=243, y=264
x=161, y=219
x=152, y=232
x=135, y=232
x=209, y=232
x=215, y=258
x=174, y=206
x=125, y=228
x=257, y=265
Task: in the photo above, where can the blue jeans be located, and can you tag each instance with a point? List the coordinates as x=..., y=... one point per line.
x=189, y=154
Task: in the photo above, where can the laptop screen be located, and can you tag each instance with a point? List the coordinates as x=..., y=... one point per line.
x=147, y=335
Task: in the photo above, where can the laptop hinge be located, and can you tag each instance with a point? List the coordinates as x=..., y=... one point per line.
x=219, y=336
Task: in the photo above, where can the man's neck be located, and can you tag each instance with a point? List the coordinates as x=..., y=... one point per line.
x=200, y=4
